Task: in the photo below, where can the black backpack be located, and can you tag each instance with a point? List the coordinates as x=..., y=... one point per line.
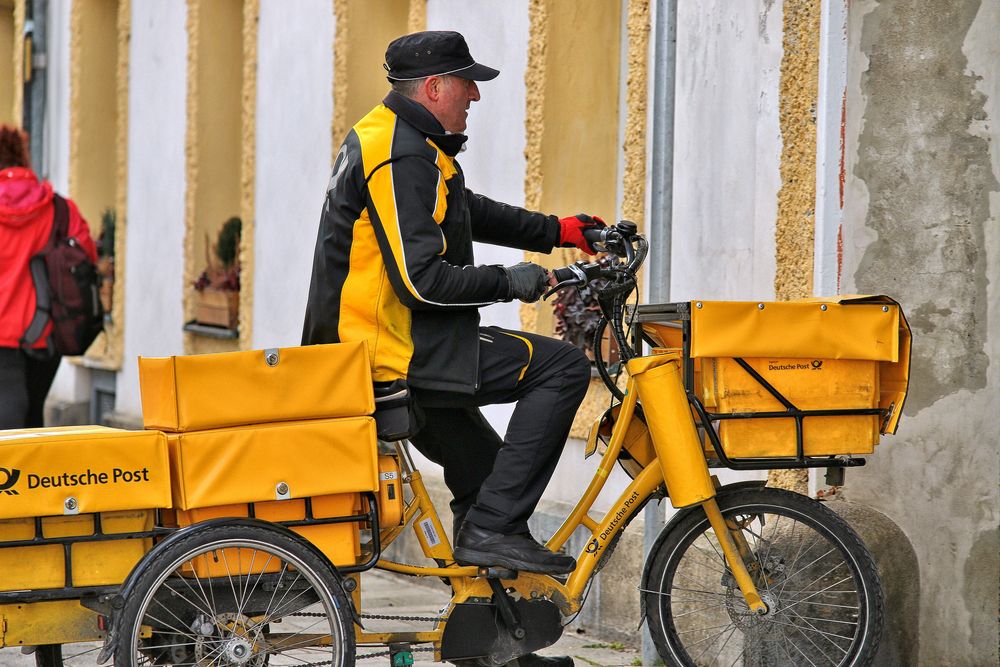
x=67, y=292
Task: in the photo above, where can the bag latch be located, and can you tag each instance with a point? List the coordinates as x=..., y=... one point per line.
x=271, y=357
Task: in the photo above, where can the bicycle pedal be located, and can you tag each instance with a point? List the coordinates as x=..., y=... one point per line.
x=496, y=573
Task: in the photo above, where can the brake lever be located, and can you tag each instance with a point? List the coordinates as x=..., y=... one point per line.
x=558, y=286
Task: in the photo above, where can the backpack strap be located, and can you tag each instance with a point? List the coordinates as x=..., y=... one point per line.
x=40, y=277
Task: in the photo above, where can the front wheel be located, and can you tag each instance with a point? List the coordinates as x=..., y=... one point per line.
x=820, y=584
x=236, y=596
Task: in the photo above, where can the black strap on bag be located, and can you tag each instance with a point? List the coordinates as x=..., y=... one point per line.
x=75, y=307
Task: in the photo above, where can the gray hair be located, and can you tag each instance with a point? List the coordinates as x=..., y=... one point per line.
x=407, y=87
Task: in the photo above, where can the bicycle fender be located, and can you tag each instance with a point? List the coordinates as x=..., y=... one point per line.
x=677, y=518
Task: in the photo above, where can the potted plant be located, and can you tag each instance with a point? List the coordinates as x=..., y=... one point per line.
x=106, y=260
x=217, y=290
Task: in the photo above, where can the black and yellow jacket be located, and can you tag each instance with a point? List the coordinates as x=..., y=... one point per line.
x=394, y=263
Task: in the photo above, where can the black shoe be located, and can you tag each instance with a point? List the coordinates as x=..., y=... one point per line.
x=535, y=660
x=478, y=546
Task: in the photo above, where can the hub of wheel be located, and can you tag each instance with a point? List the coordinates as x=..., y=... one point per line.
x=232, y=641
x=237, y=651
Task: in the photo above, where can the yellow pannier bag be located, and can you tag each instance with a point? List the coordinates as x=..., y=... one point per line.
x=104, y=481
x=847, y=352
x=206, y=391
x=267, y=471
x=273, y=462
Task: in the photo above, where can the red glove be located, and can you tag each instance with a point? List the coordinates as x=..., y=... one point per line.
x=571, y=231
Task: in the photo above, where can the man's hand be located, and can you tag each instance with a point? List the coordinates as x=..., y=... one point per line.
x=527, y=282
x=571, y=231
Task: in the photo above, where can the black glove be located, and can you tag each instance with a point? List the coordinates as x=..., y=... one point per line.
x=527, y=281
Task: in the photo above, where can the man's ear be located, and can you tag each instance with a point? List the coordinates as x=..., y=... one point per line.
x=432, y=88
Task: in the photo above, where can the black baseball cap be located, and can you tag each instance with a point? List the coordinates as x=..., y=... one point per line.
x=433, y=53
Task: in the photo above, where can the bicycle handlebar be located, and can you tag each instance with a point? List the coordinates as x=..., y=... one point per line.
x=620, y=242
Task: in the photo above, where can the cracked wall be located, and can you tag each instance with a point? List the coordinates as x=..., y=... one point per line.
x=921, y=225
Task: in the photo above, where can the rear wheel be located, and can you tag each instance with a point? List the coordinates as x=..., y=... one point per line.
x=820, y=583
x=240, y=596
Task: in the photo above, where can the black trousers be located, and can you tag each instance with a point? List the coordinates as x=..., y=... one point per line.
x=24, y=384
x=496, y=483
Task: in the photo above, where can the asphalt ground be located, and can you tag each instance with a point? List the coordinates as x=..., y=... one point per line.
x=387, y=594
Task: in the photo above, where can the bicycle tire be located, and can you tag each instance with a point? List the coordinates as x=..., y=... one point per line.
x=696, y=612
x=222, y=617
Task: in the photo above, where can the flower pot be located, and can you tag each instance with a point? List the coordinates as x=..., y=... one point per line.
x=217, y=307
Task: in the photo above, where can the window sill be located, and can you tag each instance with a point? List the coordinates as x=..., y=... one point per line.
x=209, y=331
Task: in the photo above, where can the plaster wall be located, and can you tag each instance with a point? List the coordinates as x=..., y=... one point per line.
x=727, y=149
x=497, y=34
x=57, y=92
x=154, y=257
x=294, y=108
x=921, y=224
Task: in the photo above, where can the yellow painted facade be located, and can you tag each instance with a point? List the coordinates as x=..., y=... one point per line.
x=219, y=151
x=8, y=42
x=798, y=89
x=364, y=27
x=98, y=172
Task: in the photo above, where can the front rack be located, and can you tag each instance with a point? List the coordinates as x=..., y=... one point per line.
x=680, y=313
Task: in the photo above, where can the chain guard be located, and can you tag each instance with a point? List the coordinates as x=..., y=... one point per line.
x=476, y=630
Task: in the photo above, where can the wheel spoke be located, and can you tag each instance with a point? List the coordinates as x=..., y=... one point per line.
x=684, y=590
x=812, y=595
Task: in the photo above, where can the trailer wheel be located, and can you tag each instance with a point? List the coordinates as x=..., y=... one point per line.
x=241, y=595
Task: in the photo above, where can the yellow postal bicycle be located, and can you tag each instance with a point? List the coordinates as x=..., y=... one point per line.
x=260, y=493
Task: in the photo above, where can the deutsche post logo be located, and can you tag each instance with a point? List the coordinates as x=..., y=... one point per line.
x=8, y=478
x=817, y=364
x=593, y=546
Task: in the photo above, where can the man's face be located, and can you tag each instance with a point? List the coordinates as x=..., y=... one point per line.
x=455, y=95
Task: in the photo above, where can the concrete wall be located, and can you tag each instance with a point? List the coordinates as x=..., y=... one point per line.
x=921, y=225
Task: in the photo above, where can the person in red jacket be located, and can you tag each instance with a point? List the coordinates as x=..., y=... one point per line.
x=26, y=213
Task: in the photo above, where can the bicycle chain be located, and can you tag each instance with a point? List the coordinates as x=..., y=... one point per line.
x=379, y=617
x=380, y=654
x=387, y=617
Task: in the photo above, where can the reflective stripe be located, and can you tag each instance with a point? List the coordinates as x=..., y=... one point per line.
x=530, y=352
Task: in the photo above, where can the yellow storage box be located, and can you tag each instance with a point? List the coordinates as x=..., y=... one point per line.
x=197, y=392
x=85, y=469
x=847, y=352
x=273, y=462
x=103, y=481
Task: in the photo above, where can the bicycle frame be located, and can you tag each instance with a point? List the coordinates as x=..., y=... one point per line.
x=679, y=461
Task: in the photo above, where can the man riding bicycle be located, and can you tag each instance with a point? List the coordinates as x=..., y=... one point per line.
x=394, y=266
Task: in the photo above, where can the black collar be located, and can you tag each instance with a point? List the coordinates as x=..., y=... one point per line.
x=417, y=115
